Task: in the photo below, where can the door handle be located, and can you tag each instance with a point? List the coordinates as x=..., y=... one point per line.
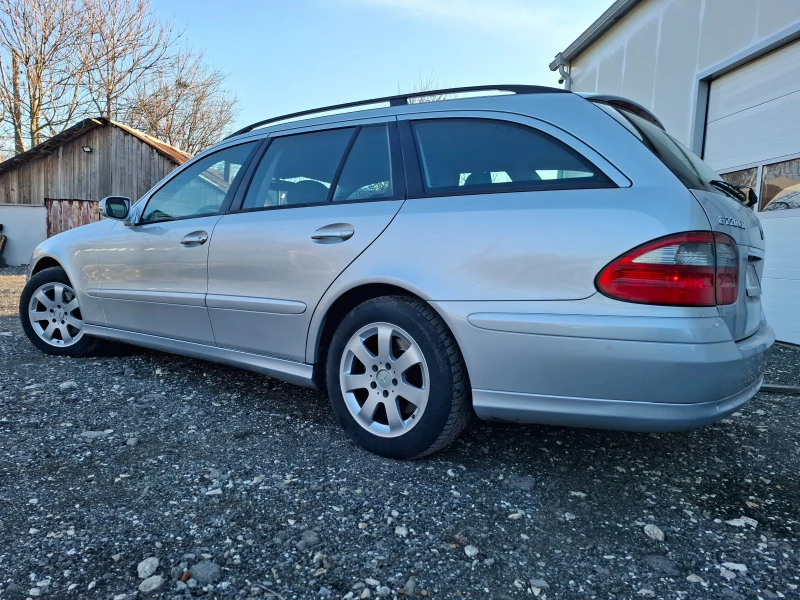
x=337, y=232
x=197, y=238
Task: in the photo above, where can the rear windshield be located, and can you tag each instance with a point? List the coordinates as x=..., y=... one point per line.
x=692, y=171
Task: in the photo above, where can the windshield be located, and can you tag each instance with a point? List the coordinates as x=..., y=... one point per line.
x=692, y=171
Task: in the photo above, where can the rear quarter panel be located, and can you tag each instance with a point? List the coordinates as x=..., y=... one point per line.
x=539, y=246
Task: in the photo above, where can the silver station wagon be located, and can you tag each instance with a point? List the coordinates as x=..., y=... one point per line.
x=535, y=256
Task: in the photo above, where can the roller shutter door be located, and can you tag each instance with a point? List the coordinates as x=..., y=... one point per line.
x=753, y=135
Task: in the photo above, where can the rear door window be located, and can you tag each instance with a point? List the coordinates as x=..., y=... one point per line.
x=298, y=170
x=469, y=155
x=367, y=172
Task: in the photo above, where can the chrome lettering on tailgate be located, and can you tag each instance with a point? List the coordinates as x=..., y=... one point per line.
x=731, y=222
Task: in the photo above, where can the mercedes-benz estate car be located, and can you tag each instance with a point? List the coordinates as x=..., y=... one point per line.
x=536, y=255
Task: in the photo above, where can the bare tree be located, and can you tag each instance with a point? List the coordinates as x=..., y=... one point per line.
x=127, y=43
x=186, y=106
x=61, y=60
x=426, y=83
x=42, y=62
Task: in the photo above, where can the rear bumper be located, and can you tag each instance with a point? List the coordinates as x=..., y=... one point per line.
x=545, y=372
x=596, y=413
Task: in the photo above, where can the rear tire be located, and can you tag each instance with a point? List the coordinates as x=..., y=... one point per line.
x=50, y=315
x=396, y=379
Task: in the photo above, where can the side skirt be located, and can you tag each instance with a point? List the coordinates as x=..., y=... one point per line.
x=286, y=370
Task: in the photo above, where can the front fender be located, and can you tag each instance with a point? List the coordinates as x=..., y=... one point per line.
x=76, y=250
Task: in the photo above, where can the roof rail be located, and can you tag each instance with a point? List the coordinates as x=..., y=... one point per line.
x=402, y=99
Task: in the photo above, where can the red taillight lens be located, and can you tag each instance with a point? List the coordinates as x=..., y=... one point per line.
x=687, y=269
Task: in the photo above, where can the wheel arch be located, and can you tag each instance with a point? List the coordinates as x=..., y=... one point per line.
x=327, y=319
x=46, y=262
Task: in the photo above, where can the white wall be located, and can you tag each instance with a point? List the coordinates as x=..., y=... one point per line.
x=655, y=53
x=25, y=226
x=781, y=283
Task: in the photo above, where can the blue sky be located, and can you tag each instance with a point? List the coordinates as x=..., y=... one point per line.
x=287, y=55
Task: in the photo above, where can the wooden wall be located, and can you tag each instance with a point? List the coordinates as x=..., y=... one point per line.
x=119, y=164
x=66, y=214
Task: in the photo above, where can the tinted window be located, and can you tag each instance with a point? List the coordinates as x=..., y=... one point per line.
x=473, y=154
x=689, y=168
x=199, y=189
x=367, y=172
x=298, y=169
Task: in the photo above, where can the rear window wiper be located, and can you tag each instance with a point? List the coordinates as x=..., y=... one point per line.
x=730, y=189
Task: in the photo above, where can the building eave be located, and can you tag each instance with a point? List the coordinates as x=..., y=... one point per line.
x=607, y=20
x=50, y=145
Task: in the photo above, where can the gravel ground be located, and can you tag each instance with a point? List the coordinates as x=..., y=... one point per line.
x=139, y=471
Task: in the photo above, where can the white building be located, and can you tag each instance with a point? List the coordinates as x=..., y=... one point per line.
x=724, y=78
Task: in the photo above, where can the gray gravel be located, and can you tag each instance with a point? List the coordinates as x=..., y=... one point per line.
x=156, y=476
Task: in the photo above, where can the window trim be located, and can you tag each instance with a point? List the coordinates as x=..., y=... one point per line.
x=418, y=189
x=395, y=160
x=229, y=195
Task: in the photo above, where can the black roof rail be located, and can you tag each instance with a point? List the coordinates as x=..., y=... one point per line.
x=402, y=99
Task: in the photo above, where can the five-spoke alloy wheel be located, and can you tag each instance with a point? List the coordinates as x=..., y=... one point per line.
x=396, y=379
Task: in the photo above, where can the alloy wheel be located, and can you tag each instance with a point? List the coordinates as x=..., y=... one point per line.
x=384, y=379
x=55, y=315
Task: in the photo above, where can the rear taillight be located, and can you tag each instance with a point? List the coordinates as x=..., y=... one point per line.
x=698, y=268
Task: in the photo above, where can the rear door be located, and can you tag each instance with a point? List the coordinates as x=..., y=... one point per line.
x=316, y=200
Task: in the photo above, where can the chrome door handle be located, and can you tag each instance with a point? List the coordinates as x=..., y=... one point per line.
x=337, y=232
x=192, y=239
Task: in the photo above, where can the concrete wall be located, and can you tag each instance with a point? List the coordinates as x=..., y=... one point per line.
x=25, y=227
x=657, y=53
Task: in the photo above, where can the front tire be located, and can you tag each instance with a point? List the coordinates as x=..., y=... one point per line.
x=396, y=380
x=51, y=317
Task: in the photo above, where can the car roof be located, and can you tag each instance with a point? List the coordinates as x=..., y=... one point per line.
x=398, y=104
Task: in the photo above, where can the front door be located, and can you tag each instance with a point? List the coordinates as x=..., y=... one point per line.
x=315, y=202
x=154, y=273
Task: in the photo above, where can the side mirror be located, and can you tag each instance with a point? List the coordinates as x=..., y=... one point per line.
x=115, y=207
x=750, y=195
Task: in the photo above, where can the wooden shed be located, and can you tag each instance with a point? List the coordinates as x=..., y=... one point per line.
x=70, y=172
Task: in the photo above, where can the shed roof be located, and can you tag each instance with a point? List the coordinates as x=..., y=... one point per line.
x=50, y=145
x=606, y=21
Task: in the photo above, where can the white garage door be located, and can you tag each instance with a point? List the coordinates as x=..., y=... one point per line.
x=753, y=138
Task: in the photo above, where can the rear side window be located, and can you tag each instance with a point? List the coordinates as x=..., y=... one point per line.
x=464, y=155
x=298, y=169
x=689, y=168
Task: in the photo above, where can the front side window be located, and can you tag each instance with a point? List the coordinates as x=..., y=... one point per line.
x=476, y=154
x=780, y=186
x=297, y=169
x=200, y=189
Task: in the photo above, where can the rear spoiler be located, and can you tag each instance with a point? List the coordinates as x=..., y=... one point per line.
x=625, y=104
